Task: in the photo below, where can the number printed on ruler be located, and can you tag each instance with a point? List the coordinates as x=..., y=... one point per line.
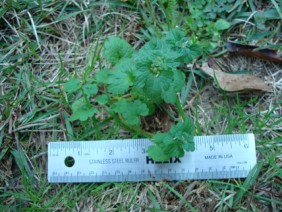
x=215, y=157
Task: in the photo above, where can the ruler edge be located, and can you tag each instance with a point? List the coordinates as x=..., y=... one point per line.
x=251, y=136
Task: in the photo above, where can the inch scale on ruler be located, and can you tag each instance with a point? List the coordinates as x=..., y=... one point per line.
x=215, y=157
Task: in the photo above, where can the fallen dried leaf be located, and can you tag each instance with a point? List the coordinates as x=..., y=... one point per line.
x=234, y=82
x=247, y=50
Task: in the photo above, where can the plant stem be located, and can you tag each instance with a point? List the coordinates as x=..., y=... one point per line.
x=180, y=109
x=97, y=130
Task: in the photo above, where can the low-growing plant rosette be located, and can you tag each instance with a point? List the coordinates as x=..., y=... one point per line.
x=136, y=82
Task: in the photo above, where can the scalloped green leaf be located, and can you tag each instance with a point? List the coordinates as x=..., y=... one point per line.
x=72, y=85
x=157, y=153
x=174, y=142
x=102, y=76
x=82, y=110
x=122, y=77
x=131, y=111
x=116, y=49
x=103, y=99
x=90, y=89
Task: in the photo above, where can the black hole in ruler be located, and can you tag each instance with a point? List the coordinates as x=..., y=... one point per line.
x=69, y=161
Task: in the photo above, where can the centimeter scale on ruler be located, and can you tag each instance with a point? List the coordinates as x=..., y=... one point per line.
x=215, y=157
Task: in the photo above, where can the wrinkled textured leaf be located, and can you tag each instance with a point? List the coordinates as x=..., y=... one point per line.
x=189, y=146
x=213, y=9
x=183, y=45
x=185, y=127
x=102, y=76
x=116, y=49
x=176, y=37
x=157, y=153
x=121, y=78
x=156, y=72
x=174, y=142
x=169, y=95
x=175, y=150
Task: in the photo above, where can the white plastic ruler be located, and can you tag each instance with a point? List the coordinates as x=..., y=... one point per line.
x=215, y=157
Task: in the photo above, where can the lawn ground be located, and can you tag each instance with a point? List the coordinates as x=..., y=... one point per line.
x=45, y=43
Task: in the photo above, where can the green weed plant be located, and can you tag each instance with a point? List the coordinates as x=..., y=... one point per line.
x=133, y=84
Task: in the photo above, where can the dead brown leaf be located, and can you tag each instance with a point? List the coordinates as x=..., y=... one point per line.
x=234, y=82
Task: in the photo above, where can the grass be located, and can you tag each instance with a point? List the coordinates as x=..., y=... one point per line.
x=44, y=43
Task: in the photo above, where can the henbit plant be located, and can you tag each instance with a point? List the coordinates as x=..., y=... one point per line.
x=208, y=18
x=215, y=9
x=134, y=83
x=204, y=23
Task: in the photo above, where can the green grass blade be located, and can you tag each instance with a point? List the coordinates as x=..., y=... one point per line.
x=249, y=181
x=179, y=195
x=68, y=126
x=3, y=152
x=277, y=7
x=185, y=91
x=34, y=29
x=21, y=161
x=154, y=200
